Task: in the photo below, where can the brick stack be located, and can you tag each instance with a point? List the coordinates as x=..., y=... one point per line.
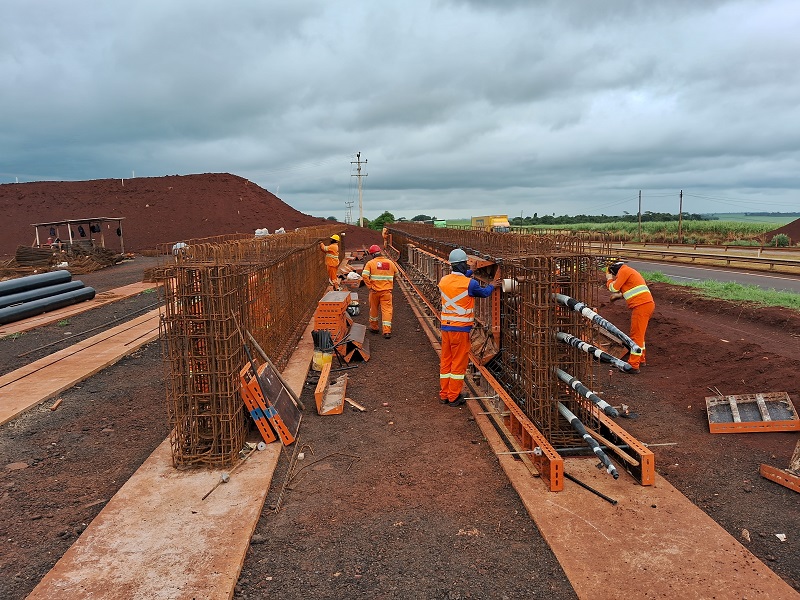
x=331, y=314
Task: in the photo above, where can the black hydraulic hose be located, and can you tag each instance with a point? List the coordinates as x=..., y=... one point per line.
x=587, y=312
x=594, y=351
x=578, y=426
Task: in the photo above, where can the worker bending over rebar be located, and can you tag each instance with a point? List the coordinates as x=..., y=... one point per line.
x=626, y=282
x=458, y=291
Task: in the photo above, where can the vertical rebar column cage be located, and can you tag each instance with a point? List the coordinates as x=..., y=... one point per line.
x=203, y=356
x=213, y=293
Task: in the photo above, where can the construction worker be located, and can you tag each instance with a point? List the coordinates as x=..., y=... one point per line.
x=332, y=259
x=385, y=234
x=378, y=275
x=458, y=291
x=626, y=282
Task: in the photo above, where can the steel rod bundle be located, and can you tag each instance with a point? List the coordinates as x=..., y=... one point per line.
x=206, y=283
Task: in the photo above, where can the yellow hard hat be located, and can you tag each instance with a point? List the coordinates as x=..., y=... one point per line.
x=335, y=237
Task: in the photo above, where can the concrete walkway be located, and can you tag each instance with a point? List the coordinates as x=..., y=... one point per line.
x=49, y=376
x=158, y=539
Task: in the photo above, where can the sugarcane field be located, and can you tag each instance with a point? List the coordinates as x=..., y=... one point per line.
x=198, y=402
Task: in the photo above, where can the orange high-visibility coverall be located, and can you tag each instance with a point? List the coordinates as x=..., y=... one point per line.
x=331, y=261
x=385, y=234
x=458, y=305
x=637, y=295
x=378, y=275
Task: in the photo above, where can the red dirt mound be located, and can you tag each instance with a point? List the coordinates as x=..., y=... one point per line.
x=156, y=209
x=791, y=229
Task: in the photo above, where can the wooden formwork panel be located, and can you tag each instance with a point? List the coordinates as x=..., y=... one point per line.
x=781, y=476
x=751, y=413
x=329, y=396
x=547, y=461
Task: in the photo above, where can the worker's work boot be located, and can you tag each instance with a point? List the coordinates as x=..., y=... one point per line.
x=387, y=335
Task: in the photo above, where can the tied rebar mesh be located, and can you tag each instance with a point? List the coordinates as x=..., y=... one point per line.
x=534, y=267
x=213, y=290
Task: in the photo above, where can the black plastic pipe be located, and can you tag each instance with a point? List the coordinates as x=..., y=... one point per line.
x=43, y=292
x=37, y=307
x=31, y=282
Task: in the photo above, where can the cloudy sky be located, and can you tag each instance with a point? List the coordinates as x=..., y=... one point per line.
x=459, y=107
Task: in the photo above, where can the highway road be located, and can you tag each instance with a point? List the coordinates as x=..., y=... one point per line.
x=690, y=274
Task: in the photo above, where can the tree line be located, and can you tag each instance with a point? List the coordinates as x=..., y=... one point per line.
x=647, y=217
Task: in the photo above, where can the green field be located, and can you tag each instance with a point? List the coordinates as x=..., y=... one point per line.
x=777, y=221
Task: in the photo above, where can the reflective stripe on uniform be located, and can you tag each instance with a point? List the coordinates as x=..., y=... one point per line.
x=380, y=277
x=635, y=291
x=450, y=303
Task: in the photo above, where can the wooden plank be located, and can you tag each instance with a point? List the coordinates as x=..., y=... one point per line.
x=734, y=409
x=49, y=376
x=762, y=408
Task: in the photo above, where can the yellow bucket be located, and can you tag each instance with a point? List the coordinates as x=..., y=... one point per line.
x=321, y=359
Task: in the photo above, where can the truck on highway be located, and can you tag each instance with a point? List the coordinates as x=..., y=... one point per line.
x=497, y=223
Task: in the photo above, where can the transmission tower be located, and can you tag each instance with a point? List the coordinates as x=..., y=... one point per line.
x=359, y=175
x=349, y=216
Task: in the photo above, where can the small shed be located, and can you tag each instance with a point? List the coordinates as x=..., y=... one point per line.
x=88, y=232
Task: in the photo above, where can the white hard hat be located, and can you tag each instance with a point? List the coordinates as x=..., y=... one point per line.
x=457, y=256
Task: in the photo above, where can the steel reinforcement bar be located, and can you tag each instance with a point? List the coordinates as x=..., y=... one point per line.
x=514, y=342
x=270, y=286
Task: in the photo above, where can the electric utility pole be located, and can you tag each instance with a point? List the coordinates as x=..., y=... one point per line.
x=359, y=175
x=680, y=219
x=640, y=216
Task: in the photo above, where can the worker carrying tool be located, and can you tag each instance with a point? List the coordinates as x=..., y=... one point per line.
x=332, y=259
x=626, y=282
x=458, y=291
x=378, y=275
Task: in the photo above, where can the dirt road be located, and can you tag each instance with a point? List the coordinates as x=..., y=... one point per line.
x=406, y=500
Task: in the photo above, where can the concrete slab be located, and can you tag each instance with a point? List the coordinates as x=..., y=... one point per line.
x=654, y=543
x=51, y=375
x=68, y=311
x=156, y=539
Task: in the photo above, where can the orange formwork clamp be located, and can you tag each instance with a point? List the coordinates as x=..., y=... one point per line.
x=283, y=420
x=256, y=412
x=546, y=460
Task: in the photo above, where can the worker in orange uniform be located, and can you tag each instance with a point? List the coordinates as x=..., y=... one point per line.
x=626, y=282
x=458, y=291
x=332, y=259
x=385, y=234
x=378, y=275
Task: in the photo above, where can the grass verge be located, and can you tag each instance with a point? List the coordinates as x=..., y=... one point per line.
x=735, y=292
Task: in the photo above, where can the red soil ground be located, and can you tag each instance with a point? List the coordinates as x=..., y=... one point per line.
x=407, y=500
x=791, y=229
x=157, y=210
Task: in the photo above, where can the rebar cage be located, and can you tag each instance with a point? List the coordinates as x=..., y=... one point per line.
x=533, y=268
x=214, y=290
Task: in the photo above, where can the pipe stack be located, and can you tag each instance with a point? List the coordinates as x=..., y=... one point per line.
x=36, y=294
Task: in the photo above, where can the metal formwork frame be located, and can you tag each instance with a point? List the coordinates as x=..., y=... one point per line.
x=524, y=319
